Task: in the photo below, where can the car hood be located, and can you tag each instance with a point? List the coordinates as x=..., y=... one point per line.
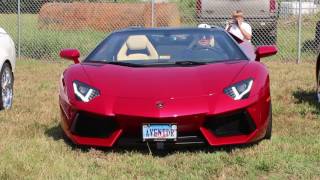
x=159, y=91
x=162, y=82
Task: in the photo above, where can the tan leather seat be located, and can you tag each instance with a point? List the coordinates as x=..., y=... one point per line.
x=137, y=43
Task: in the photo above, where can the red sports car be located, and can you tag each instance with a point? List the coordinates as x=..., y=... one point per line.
x=167, y=86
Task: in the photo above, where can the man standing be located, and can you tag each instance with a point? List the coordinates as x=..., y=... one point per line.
x=238, y=27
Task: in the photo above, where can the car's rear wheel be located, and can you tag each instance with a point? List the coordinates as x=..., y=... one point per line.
x=6, y=89
x=269, y=128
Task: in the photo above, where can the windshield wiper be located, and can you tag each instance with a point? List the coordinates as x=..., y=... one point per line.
x=189, y=63
x=122, y=63
x=125, y=64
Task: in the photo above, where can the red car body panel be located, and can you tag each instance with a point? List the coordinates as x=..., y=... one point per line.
x=188, y=94
x=192, y=97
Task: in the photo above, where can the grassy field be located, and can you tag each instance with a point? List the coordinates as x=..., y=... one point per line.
x=32, y=147
x=45, y=43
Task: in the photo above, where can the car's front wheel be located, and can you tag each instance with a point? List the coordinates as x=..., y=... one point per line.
x=6, y=89
x=269, y=128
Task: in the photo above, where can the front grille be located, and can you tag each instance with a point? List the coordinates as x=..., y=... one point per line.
x=88, y=125
x=239, y=123
x=196, y=139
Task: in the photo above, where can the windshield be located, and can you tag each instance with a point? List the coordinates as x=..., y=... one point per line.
x=156, y=47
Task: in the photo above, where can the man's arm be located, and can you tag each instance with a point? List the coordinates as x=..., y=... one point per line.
x=245, y=30
x=246, y=35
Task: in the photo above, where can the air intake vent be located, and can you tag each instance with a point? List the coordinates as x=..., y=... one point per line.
x=239, y=123
x=88, y=125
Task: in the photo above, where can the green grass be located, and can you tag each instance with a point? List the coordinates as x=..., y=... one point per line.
x=288, y=38
x=32, y=147
x=46, y=44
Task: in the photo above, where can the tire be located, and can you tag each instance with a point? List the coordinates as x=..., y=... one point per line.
x=269, y=128
x=6, y=90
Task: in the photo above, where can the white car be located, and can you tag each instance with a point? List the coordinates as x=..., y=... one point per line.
x=7, y=66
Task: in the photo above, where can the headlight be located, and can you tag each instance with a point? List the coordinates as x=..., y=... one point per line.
x=84, y=92
x=239, y=90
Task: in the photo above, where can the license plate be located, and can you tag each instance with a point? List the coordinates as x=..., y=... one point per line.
x=159, y=132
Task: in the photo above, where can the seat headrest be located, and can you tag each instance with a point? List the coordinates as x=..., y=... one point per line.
x=137, y=42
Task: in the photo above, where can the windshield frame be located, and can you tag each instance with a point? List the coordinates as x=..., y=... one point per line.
x=144, y=31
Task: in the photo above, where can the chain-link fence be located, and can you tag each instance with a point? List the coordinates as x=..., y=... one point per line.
x=41, y=28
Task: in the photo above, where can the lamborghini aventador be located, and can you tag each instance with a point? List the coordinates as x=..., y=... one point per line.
x=169, y=86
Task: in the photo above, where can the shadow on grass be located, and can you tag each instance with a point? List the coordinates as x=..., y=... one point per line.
x=309, y=97
x=56, y=133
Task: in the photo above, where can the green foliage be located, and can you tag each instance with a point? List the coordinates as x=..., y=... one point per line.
x=43, y=43
x=11, y=6
x=47, y=44
x=187, y=4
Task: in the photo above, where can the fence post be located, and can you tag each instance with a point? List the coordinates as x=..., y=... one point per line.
x=18, y=29
x=299, y=32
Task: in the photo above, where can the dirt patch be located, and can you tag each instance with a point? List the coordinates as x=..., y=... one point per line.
x=106, y=16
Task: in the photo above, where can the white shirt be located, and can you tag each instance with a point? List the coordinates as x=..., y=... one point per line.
x=236, y=31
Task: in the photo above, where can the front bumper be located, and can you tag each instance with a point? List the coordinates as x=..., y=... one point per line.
x=233, y=126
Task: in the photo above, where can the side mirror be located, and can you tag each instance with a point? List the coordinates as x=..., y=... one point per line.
x=71, y=54
x=265, y=51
